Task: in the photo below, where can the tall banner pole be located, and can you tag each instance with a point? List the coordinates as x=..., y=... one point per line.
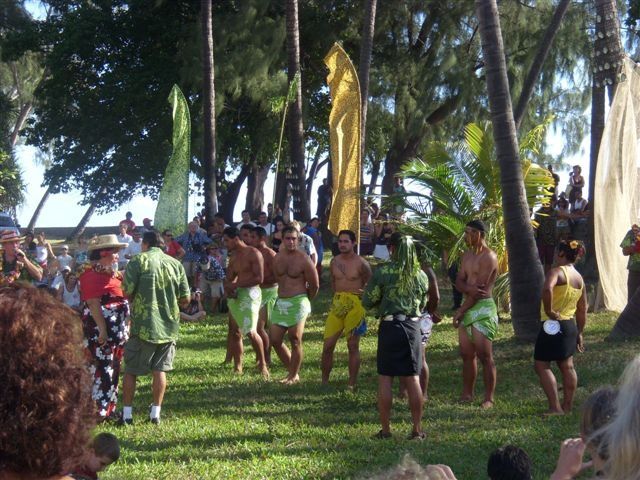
x=344, y=139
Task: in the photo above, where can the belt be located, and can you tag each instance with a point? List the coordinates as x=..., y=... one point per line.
x=399, y=316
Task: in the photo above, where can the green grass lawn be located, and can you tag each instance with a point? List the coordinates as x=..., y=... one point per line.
x=219, y=425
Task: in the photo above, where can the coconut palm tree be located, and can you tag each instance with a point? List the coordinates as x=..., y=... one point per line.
x=460, y=181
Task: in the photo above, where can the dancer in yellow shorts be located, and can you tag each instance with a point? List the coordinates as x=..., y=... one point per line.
x=349, y=275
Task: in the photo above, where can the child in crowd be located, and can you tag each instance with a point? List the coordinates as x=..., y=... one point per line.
x=105, y=450
x=193, y=312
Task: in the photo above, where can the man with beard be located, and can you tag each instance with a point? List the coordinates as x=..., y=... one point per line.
x=478, y=315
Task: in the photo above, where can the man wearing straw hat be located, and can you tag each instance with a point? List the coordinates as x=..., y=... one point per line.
x=16, y=264
x=157, y=286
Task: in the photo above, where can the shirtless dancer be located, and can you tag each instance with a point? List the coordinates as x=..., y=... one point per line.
x=349, y=275
x=297, y=284
x=268, y=286
x=244, y=275
x=478, y=315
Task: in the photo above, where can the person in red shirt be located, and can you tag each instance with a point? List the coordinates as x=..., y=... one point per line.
x=171, y=247
x=104, y=320
x=131, y=225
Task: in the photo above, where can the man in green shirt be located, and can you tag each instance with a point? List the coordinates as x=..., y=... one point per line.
x=399, y=289
x=16, y=265
x=157, y=287
x=631, y=247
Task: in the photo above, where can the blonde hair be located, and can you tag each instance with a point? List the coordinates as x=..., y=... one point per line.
x=408, y=469
x=622, y=435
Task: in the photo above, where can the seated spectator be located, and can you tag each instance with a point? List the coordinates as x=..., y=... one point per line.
x=104, y=450
x=69, y=293
x=212, y=275
x=579, y=206
x=509, y=463
x=46, y=411
x=194, y=311
x=64, y=259
x=172, y=248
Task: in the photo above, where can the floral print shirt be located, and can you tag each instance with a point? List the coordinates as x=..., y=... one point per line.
x=154, y=282
x=382, y=291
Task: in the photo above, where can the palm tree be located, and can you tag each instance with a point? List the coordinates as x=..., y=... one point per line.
x=461, y=181
x=525, y=270
x=296, y=136
x=209, y=114
x=366, y=46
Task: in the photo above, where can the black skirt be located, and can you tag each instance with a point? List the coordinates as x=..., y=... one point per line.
x=399, y=348
x=562, y=345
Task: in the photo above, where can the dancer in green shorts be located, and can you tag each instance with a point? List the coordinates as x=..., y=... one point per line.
x=297, y=284
x=244, y=275
x=269, y=289
x=478, y=314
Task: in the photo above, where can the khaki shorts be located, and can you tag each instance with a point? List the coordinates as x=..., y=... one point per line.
x=211, y=288
x=142, y=357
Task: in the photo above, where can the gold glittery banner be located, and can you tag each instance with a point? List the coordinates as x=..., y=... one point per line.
x=344, y=137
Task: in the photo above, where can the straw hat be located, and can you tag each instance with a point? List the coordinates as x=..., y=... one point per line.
x=103, y=242
x=9, y=236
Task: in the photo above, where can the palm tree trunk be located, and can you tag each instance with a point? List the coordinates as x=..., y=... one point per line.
x=22, y=118
x=628, y=323
x=209, y=114
x=296, y=129
x=538, y=61
x=79, y=230
x=375, y=173
x=525, y=271
x=366, y=46
x=38, y=210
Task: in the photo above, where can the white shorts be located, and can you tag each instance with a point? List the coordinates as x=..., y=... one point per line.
x=211, y=288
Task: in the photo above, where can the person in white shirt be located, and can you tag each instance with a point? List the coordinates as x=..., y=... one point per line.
x=134, y=248
x=64, y=259
x=264, y=223
x=246, y=220
x=305, y=243
x=123, y=236
x=69, y=291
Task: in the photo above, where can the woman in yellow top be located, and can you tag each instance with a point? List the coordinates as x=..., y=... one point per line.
x=563, y=296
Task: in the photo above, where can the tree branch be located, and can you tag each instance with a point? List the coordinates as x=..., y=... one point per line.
x=538, y=61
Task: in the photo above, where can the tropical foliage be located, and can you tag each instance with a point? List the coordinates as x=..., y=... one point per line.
x=460, y=181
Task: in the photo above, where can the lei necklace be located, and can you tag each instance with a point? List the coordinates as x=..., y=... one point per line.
x=99, y=268
x=12, y=276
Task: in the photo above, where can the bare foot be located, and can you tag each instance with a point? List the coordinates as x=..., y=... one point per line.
x=351, y=388
x=567, y=408
x=291, y=380
x=465, y=399
x=552, y=412
x=237, y=370
x=265, y=373
x=486, y=405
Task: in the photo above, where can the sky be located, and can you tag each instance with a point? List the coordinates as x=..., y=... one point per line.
x=65, y=209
